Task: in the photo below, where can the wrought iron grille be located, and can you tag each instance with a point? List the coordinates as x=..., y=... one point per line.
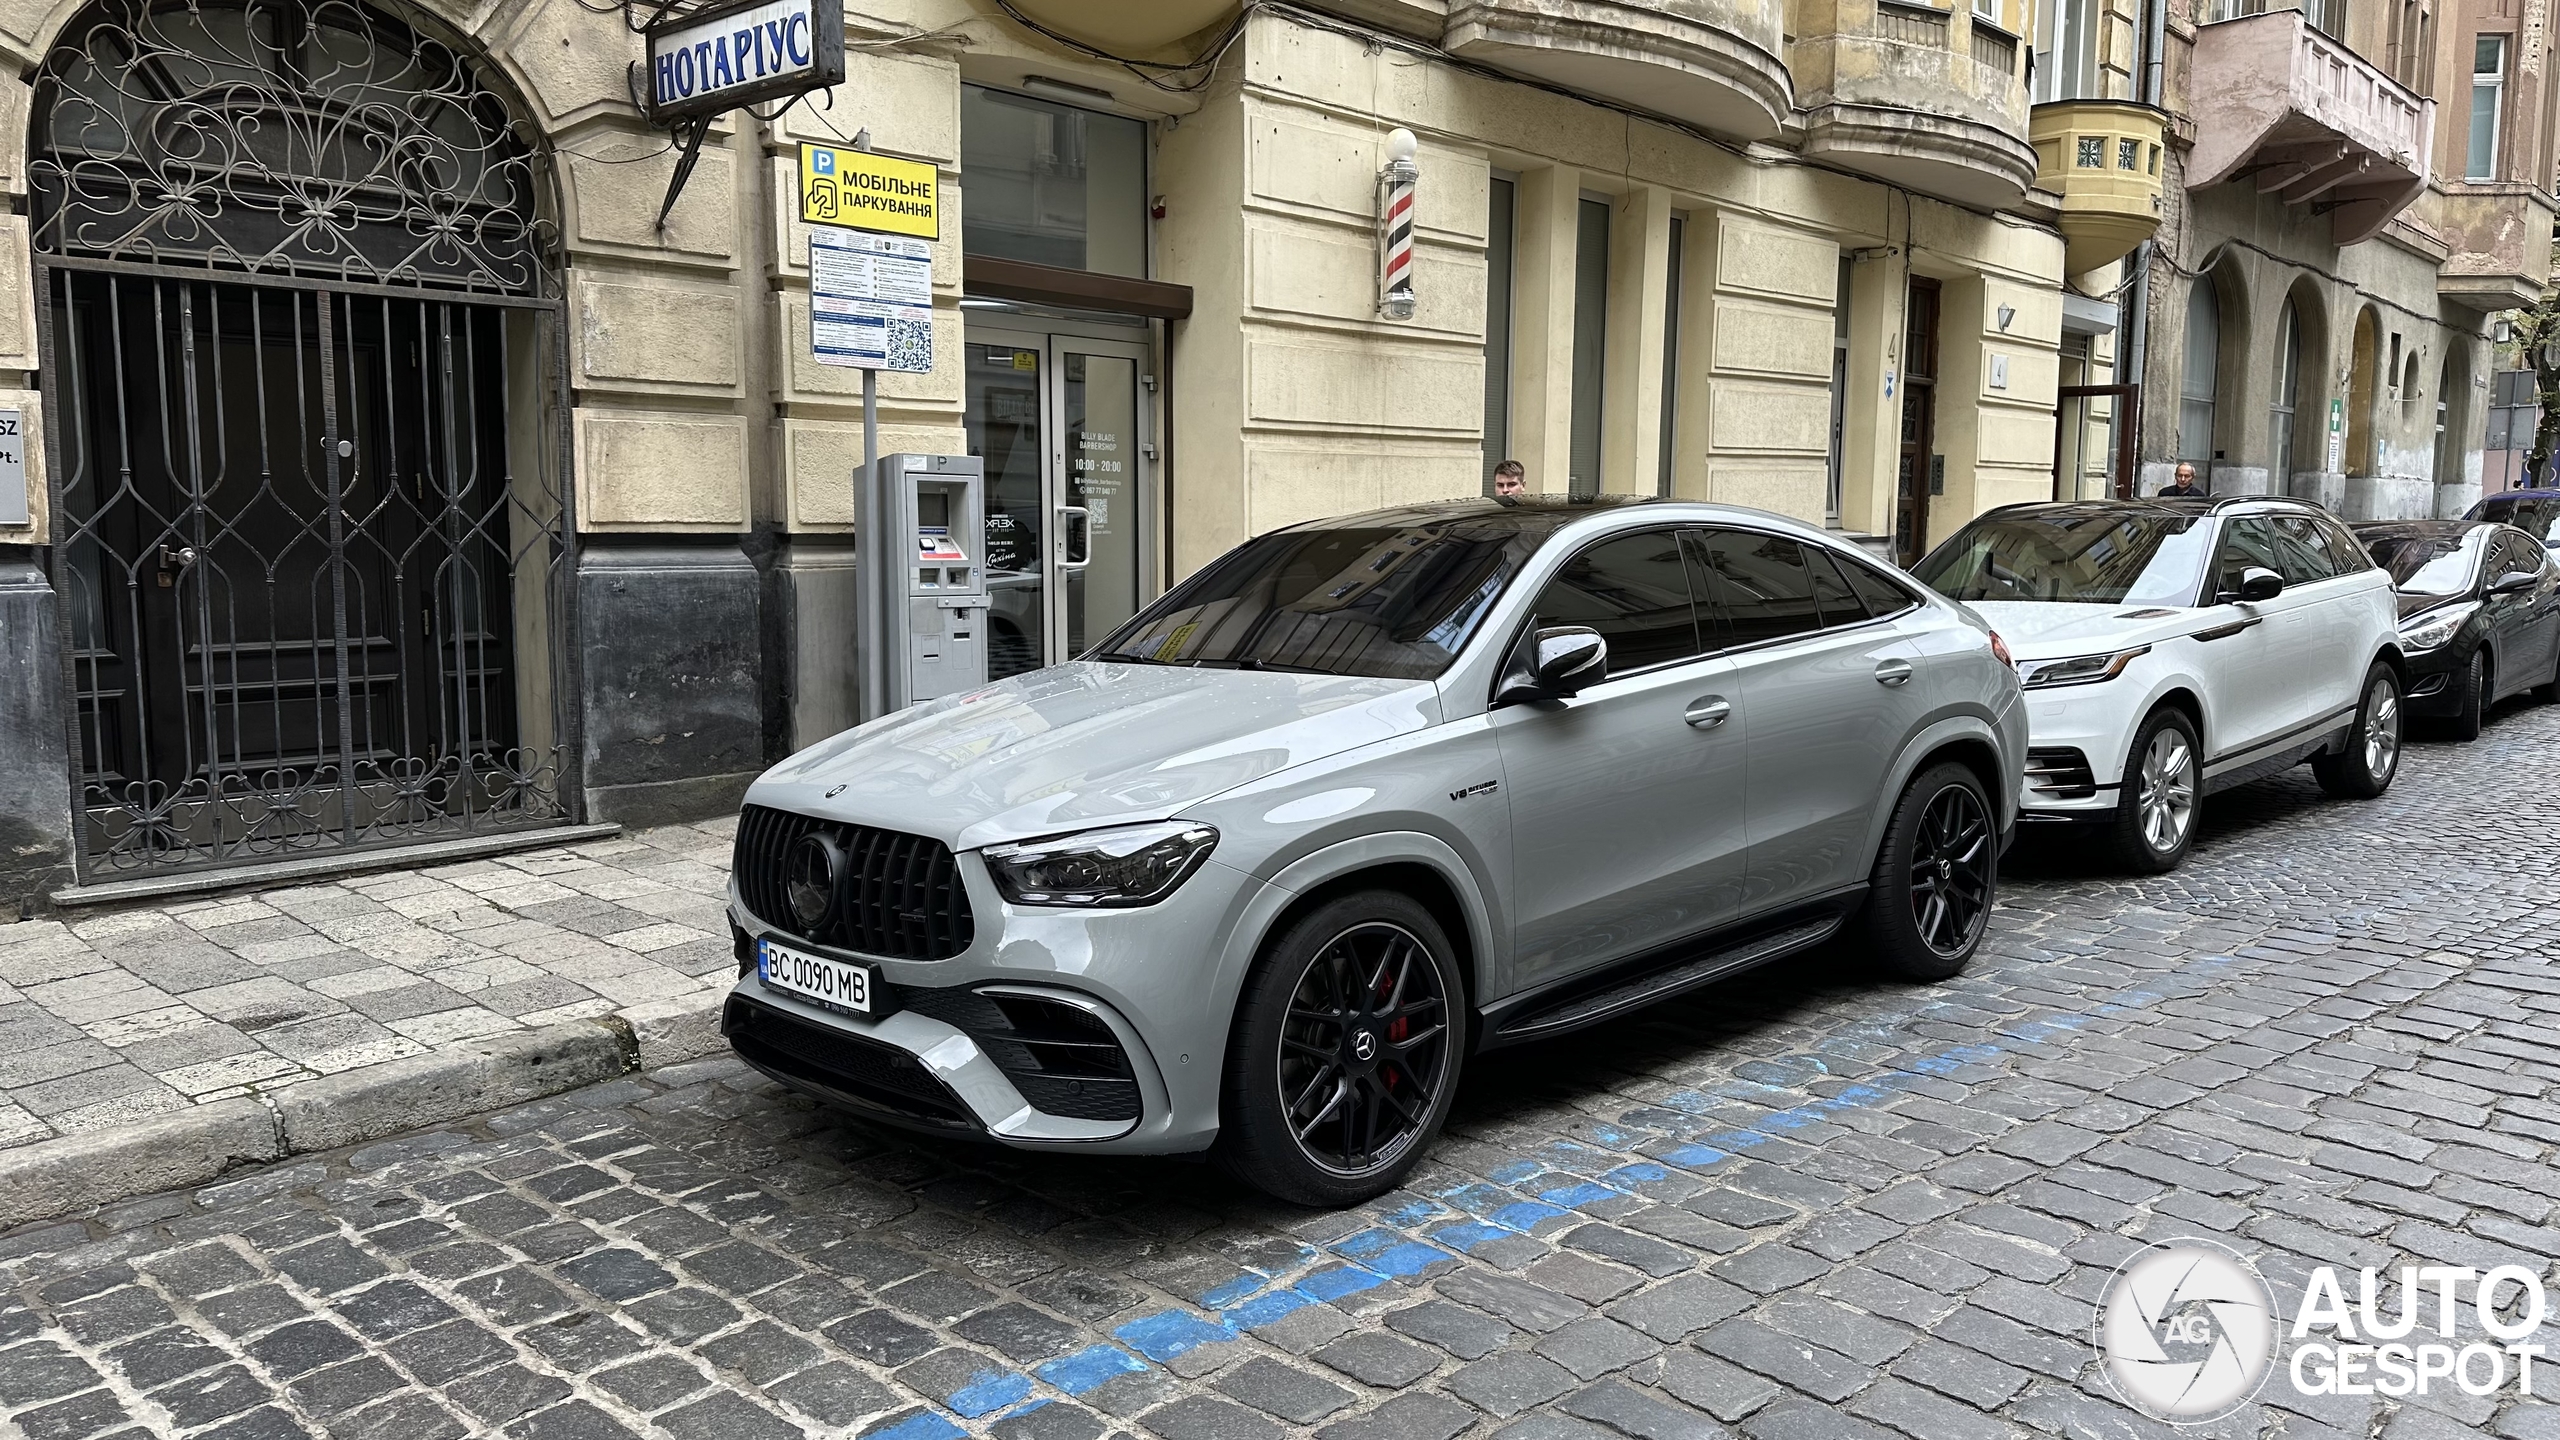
x=304, y=387
x=284, y=137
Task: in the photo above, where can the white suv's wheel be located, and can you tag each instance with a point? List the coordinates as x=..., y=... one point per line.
x=2363, y=769
x=2163, y=784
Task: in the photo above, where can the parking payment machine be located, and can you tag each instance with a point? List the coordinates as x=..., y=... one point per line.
x=926, y=623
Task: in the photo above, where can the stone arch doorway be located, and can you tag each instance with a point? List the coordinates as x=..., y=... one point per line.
x=300, y=278
x=2364, y=382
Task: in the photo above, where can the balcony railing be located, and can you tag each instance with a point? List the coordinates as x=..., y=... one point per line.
x=2308, y=120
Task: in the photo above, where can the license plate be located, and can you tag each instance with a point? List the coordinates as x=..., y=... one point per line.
x=837, y=984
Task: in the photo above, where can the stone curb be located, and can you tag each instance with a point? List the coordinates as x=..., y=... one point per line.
x=70, y=1173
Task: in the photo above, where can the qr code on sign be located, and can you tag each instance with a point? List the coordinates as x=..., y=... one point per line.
x=910, y=345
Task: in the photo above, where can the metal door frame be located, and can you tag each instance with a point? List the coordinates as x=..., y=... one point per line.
x=563, y=653
x=1052, y=340
x=2121, y=425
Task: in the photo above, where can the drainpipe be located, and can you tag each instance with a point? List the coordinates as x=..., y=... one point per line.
x=2155, y=40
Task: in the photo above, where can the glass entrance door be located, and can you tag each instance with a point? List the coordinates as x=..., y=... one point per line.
x=1060, y=422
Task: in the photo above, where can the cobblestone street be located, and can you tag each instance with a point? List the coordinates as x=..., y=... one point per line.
x=1805, y=1204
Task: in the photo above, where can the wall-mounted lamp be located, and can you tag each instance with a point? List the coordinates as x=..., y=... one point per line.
x=2007, y=314
x=1395, y=225
x=2502, y=330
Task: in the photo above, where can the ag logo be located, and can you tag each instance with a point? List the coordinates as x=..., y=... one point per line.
x=2187, y=1331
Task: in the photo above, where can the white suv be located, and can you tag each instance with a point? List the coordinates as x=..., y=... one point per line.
x=2173, y=648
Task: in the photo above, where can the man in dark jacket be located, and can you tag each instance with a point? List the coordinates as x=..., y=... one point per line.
x=2185, y=489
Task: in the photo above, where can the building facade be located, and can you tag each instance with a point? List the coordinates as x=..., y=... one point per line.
x=2362, y=188
x=405, y=468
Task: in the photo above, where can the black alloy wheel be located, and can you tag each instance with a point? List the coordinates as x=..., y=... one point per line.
x=1937, y=876
x=1360, y=1056
x=1951, y=871
x=1345, y=1053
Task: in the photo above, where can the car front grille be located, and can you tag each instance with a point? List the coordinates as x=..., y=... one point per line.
x=1063, y=1058
x=2060, y=773
x=877, y=1076
x=902, y=898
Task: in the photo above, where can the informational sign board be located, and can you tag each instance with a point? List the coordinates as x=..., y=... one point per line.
x=870, y=300
x=2337, y=433
x=840, y=186
x=13, y=467
x=718, y=59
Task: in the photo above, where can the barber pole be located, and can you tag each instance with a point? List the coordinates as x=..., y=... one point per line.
x=1395, y=226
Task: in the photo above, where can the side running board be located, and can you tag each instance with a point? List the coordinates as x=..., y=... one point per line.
x=1598, y=1005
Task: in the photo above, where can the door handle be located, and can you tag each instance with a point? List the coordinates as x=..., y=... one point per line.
x=1893, y=672
x=1708, y=711
x=1075, y=537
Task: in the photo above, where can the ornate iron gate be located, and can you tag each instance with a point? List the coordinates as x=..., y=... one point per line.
x=304, y=391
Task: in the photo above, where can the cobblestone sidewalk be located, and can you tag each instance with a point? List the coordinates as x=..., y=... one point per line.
x=1803, y=1206
x=108, y=1018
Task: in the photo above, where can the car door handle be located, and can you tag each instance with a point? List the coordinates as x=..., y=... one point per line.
x=1708, y=711
x=1893, y=672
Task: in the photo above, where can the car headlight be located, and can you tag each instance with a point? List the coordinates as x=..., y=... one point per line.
x=2078, y=669
x=1117, y=868
x=2434, y=629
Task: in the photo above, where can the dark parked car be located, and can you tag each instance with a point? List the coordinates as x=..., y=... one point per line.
x=2479, y=613
x=2535, y=512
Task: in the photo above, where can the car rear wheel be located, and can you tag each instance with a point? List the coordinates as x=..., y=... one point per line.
x=2371, y=756
x=1936, y=878
x=2163, y=783
x=2471, y=696
x=1346, y=1051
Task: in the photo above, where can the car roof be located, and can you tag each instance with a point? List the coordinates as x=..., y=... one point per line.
x=1545, y=514
x=2385, y=529
x=2154, y=505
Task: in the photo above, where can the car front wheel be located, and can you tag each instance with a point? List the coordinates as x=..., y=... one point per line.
x=1936, y=877
x=2471, y=696
x=2156, y=808
x=2364, y=767
x=1345, y=1052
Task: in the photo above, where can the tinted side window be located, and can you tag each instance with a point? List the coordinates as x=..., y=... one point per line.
x=2526, y=553
x=1840, y=604
x=1634, y=590
x=2301, y=547
x=2347, y=555
x=1760, y=585
x=2246, y=542
x=1883, y=597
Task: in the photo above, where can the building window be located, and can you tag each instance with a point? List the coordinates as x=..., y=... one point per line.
x=2488, y=99
x=2093, y=152
x=1498, y=232
x=2196, y=386
x=2128, y=153
x=1671, y=355
x=2280, y=410
x=1839, y=392
x=2066, y=64
x=1590, y=344
x=1052, y=184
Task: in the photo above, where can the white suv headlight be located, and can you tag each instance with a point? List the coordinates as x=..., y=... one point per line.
x=1123, y=866
x=2078, y=669
x=2433, y=629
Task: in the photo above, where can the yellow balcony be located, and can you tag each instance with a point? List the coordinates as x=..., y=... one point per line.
x=2103, y=158
x=1126, y=27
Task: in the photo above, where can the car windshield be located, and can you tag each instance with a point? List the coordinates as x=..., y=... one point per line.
x=1392, y=594
x=2430, y=564
x=2075, y=555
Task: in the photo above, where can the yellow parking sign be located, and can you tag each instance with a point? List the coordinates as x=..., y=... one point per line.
x=863, y=191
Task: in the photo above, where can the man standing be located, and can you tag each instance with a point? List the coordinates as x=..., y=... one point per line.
x=2185, y=489
x=1509, y=479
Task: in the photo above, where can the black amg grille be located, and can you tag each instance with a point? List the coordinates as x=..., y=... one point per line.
x=876, y=1075
x=1063, y=1059
x=902, y=895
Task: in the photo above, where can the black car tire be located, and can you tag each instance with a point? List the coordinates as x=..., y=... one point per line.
x=2363, y=769
x=1257, y=1139
x=2131, y=834
x=1941, y=846
x=2471, y=695
x=2548, y=692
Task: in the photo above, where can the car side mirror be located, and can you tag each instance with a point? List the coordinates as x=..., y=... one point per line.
x=2257, y=583
x=2513, y=582
x=1554, y=662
